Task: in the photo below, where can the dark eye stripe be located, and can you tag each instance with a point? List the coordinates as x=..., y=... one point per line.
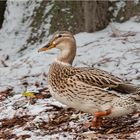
x=59, y=35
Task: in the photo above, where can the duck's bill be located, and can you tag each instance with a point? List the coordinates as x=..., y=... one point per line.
x=47, y=47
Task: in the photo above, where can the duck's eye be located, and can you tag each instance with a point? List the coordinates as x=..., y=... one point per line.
x=59, y=35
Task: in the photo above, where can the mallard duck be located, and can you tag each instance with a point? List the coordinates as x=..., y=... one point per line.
x=87, y=89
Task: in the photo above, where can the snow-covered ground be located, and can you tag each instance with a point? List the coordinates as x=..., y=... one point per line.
x=115, y=49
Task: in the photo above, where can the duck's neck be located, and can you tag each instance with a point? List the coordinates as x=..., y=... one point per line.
x=62, y=63
x=67, y=54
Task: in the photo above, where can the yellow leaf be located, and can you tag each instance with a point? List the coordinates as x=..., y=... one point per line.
x=28, y=94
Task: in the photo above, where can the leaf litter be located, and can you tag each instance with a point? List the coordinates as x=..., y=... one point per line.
x=65, y=120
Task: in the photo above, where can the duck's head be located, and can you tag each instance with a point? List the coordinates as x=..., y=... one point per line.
x=64, y=41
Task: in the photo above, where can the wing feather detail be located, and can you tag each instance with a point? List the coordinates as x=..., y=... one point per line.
x=102, y=79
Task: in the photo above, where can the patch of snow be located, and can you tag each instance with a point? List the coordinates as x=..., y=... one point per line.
x=119, y=5
x=136, y=2
x=35, y=109
x=128, y=26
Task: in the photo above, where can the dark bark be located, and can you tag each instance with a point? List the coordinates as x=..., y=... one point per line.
x=131, y=9
x=2, y=10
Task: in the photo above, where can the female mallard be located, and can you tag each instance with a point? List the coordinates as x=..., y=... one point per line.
x=88, y=89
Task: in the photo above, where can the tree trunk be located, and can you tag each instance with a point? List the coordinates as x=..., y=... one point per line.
x=95, y=15
x=2, y=10
x=79, y=16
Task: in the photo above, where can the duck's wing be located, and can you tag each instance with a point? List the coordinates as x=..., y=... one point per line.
x=103, y=80
x=82, y=92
